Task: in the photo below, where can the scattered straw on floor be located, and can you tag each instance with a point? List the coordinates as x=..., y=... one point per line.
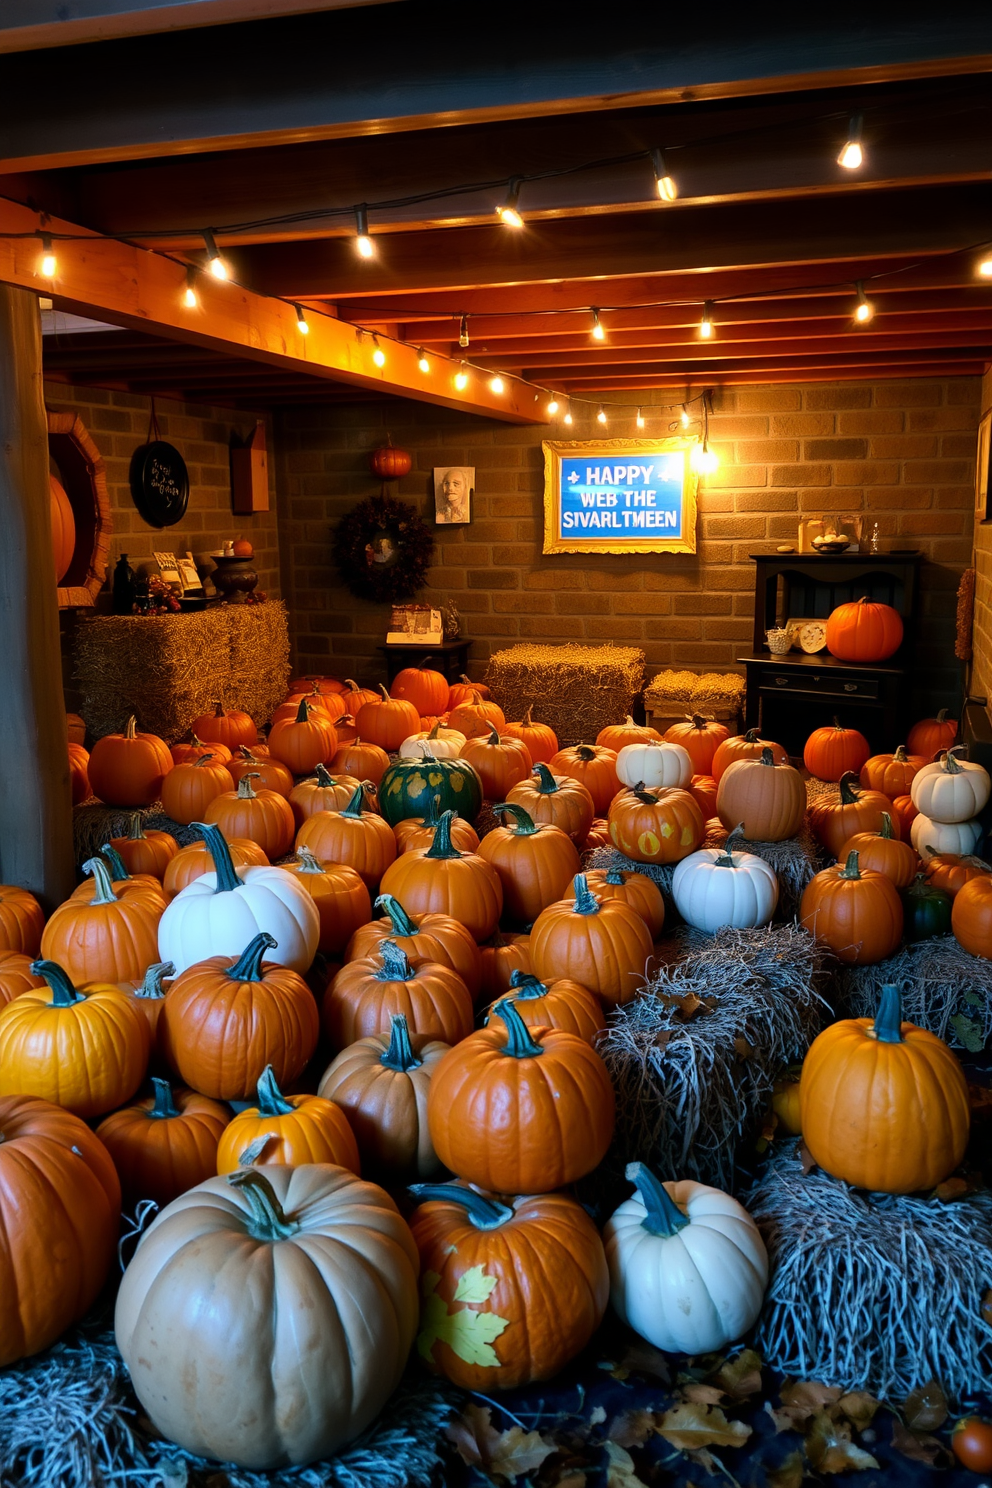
x=944, y=989
x=694, y=1058
x=577, y=690
x=870, y=1291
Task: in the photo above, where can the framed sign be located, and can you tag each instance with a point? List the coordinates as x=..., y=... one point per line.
x=619, y=496
x=982, y=491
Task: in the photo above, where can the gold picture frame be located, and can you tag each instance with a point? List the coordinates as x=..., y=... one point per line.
x=597, y=503
x=982, y=469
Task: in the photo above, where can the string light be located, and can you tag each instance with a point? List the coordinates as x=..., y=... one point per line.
x=422, y=361
x=378, y=355
x=568, y=418
x=363, y=242
x=864, y=310
x=852, y=157
x=189, y=293
x=301, y=321
x=685, y=417
x=215, y=263
x=601, y=415
x=985, y=266
x=706, y=324
x=507, y=212
x=703, y=460
x=496, y=384
x=553, y=406
x=597, y=332
x=640, y=419
x=666, y=185
x=461, y=378
x=49, y=264
x=463, y=332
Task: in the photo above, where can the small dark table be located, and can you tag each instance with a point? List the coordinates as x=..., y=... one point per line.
x=450, y=658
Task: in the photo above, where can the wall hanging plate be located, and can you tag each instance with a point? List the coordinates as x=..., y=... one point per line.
x=159, y=483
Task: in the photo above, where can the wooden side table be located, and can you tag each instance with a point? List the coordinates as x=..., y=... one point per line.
x=450, y=658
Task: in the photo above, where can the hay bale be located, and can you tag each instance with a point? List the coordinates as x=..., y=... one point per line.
x=944, y=989
x=577, y=690
x=258, y=658
x=872, y=1291
x=688, y=691
x=694, y=1058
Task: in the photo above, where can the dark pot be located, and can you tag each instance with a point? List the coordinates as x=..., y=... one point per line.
x=234, y=578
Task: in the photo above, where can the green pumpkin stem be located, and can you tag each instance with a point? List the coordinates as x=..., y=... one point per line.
x=216, y=844
x=152, y=984
x=432, y=815
x=136, y=827
x=614, y=876
x=848, y=795
x=271, y=1101
x=64, y=993
x=324, y=777
x=524, y=824
x=117, y=865
x=526, y=986
x=395, y=963
x=586, y=902
x=726, y=858
x=165, y=1105
x=103, y=889
x=442, y=846
x=585, y=752
x=546, y=782
x=268, y=1219
x=354, y=806
x=751, y=736
x=850, y=869
x=887, y=1027
x=302, y=712
x=397, y=915
x=951, y=765
x=663, y=1217
x=519, y=1044
x=400, y=1056
x=484, y=1214
x=767, y=757
x=248, y=967
x=885, y=830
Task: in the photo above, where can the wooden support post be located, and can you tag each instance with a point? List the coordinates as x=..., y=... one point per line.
x=35, y=797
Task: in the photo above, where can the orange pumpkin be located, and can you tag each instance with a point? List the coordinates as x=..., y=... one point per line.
x=130, y=883
x=304, y=742
x=594, y=767
x=657, y=826
x=767, y=799
x=145, y=852
x=557, y=801
x=881, y=851
x=193, y=861
x=148, y=995
x=361, y=760
x=359, y=838
x=196, y=749
x=971, y=916
x=225, y=726
x=541, y=741
x=418, y=831
x=340, y=895
x=326, y=685
x=441, y=880
x=110, y=937
x=272, y=773
x=617, y=736
x=501, y=957
x=432, y=937
x=291, y=1130
x=475, y=718
x=128, y=769
x=427, y=690
x=561, y=1004
x=834, y=751
x=328, y=703
x=599, y=834
x=76, y=728
x=387, y=721
x=931, y=735
x=855, y=811
x=703, y=790
x=21, y=920
x=188, y=789
x=164, y=1145
x=904, y=813
x=949, y=872
x=355, y=697
x=535, y=863
x=78, y=773
x=858, y=916
x=864, y=631
x=603, y=944
x=345, y=729
x=701, y=737
x=744, y=746
x=16, y=976
x=499, y=760
x=367, y=994
x=636, y=890
x=464, y=690
x=262, y=816
x=63, y=528
x=892, y=774
x=321, y=792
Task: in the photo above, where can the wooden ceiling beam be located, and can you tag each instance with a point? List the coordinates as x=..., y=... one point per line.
x=702, y=372
x=679, y=385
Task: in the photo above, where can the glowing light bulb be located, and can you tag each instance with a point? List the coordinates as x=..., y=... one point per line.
x=49, y=263
x=461, y=378
x=685, y=417
x=301, y=321
x=864, y=310
x=706, y=324
x=378, y=355
x=215, y=263
x=507, y=212
x=666, y=185
x=852, y=156
x=189, y=293
x=553, y=406
x=363, y=242
x=567, y=419
x=496, y=385
x=703, y=460
x=601, y=415
x=597, y=332
x=422, y=361
x=463, y=332
x=985, y=267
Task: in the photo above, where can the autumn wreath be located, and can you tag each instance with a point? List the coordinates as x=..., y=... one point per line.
x=383, y=549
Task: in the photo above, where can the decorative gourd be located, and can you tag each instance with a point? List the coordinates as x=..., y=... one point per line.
x=145, y=852
x=361, y=760
x=856, y=915
x=188, y=789
x=79, y=778
x=603, y=945
x=884, y=1104
x=592, y=766
x=971, y=917
x=304, y=742
x=390, y=463
x=931, y=735
x=952, y=790
x=505, y=1254
x=228, y=1017
x=501, y=957
x=463, y=691
x=418, y=831
x=60, y=1209
x=436, y=742
x=128, y=769
x=499, y=760
x=904, y=813
x=768, y=797
x=321, y=792
x=165, y=1144
x=636, y=890
x=441, y=880
x=892, y=774
x=654, y=766
x=432, y=937
x=16, y=976
x=190, y=863
x=519, y=1111
x=834, y=821
x=744, y=746
x=359, y=838
x=109, y=937
x=617, y=736
x=540, y=740
x=474, y=719
x=340, y=895
x=834, y=751
x=202, y=921
x=701, y=738
x=263, y=816
x=197, y=748
x=387, y=721
x=367, y=994
x=535, y=863
x=864, y=631
x=302, y=1276
x=86, y=1050
x=561, y=1004
x=381, y=1084
x=703, y=790
x=926, y=910
x=409, y=786
x=21, y=920
x=288, y=1130
x=272, y=773
x=944, y=837
x=882, y=852
x=655, y=826
x=720, y=886
x=225, y=726
x=950, y=871
x=558, y=801
x=688, y=1267
x=427, y=690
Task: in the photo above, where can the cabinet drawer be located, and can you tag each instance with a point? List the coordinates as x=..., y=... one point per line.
x=826, y=683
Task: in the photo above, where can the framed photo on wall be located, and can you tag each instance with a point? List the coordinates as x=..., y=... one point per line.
x=619, y=496
x=454, y=495
x=982, y=513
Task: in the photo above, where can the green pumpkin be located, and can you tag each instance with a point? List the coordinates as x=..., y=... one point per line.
x=410, y=787
x=926, y=910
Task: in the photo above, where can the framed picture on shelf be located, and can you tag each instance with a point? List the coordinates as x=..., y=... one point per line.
x=454, y=495
x=982, y=513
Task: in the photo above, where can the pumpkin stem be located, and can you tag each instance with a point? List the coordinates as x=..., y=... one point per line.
x=546, y=782
x=115, y=862
x=385, y=695
x=848, y=795
x=165, y=1105
x=751, y=736
x=586, y=902
x=302, y=712
x=354, y=806
x=663, y=1217
x=767, y=757
x=152, y=984
x=400, y=1056
x=268, y=1219
x=248, y=967
x=351, y=684
x=885, y=830
x=136, y=827
x=900, y=757
x=527, y=721
x=726, y=858
x=493, y=733
x=484, y=1214
x=398, y=917
x=466, y=680
x=323, y=776
x=442, y=847
x=216, y=844
x=526, y=986
x=837, y=723
x=887, y=1027
x=971, y=861
x=395, y=963
x=245, y=792
x=698, y=721
x=435, y=731
x=103, y=891
x=64, y=993
x=271, y=1101
x=519, y=1044
x=850, y=869
x=942, y=715
x=523, y=823
x=208, y=759
x=218, y=708
x=131, y=728
x=951, y=764
x=585, y=752
x=643, y=795
x=308, y=863
x=615, y=876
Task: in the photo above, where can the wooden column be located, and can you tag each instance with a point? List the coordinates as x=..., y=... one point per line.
x=35, y=798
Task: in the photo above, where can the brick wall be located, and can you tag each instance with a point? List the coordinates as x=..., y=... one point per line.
x=981, y=678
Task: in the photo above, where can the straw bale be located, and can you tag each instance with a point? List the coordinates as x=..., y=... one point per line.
x=577, y=690
x=944, y=989
x=258, y=658
x=696, y=691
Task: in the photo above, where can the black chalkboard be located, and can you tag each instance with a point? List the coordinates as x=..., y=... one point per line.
x=159, y=483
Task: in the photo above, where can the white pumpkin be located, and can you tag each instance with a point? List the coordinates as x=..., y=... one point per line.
x=952, y=790
x=440, y=743
x=718, y=886
x=688, y=1268
x=219, y=913
x=654, y=763
x=944, y=837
